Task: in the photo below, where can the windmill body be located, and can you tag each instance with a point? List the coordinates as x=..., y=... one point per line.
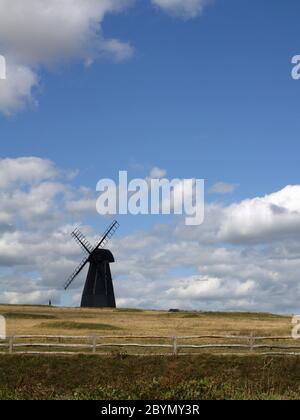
x=98, y=290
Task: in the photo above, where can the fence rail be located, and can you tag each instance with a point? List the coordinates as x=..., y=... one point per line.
x=178, y=345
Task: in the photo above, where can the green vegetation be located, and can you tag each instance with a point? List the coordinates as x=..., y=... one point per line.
x=78, y=326
x=255, y=316
x=120, y=377
x=21, y=315
x=129, y=310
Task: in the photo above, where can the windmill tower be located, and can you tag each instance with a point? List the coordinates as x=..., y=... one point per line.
x=98, y=290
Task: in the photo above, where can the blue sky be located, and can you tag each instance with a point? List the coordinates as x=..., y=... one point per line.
x=208, y=96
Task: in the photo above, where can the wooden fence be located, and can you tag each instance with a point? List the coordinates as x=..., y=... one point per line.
x=149, y=345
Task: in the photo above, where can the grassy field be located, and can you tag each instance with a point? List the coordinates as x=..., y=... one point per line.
x=65, y=321
x=121, y=376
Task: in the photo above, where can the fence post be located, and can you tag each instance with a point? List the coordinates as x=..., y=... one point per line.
x=175, y=349
x=251, y=342
x=11, y=345
x=94, y=344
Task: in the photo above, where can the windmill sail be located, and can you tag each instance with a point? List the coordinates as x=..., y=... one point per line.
x=76, y=272
x=108, y=234
x=82, y=241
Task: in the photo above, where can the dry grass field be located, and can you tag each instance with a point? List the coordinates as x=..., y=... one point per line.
x=31, y=320
x=120, y=375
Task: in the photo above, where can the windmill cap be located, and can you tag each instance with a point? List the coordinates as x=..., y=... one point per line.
x=103, y=255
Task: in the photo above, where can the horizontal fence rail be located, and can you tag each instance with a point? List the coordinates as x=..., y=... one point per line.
x=149, y=345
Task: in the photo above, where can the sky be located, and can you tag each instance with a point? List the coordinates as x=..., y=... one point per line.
x=187, y=88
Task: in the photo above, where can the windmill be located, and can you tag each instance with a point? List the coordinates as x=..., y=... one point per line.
x=98, y=290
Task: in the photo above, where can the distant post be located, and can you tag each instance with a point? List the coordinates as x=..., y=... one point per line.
x=175, y=348
x=11, y=344
x=251, y=342
x=2, y=328
x=2, y=68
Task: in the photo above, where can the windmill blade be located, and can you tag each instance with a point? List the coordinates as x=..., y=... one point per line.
x=79, y=237
x=108, y=234
x=76, y=272
x=82, y=241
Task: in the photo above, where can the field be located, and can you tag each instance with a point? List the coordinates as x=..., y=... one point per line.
x=122, y=376
x=62, y=321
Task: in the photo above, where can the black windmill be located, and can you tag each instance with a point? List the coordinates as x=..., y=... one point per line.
x=98, y=290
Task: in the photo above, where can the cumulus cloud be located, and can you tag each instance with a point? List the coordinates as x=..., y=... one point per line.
x=245, y=256
x=26, y=28
x=183, y=8
x=25, y=170
x=29, y=298
x=85, y=203
x=258, y=274
x=16, y=91
x=263, y=219
x=28, y=40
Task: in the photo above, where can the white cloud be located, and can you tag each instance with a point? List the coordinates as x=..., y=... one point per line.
x=157, y=173
x=82, y=206
x=118, y=50
x=223, y=188
x=35, y=33
x=205, y=287
x=30, y=298
x=183, y=8
x=25, y=170
x=263, y=219
x=27, y=28
x=16, y=91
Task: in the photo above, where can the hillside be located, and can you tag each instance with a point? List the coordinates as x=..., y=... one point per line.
x=76, y=321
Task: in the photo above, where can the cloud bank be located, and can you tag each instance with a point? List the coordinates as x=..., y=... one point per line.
x=246, y=256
